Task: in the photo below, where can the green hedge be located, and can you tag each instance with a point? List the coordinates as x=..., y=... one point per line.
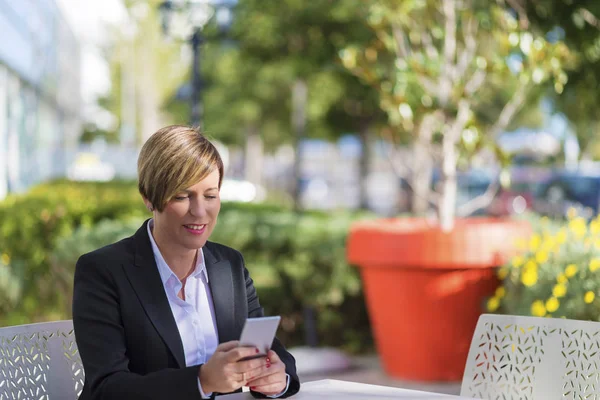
x=30, y=226
x=295, y=260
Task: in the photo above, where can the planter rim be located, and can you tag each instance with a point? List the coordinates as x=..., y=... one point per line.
x=421, y=224
x=418, y=243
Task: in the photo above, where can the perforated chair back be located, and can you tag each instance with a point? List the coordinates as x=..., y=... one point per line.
x=514, y=357
x=40, y=361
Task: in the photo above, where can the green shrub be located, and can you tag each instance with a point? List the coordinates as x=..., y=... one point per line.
x=299, y=261
x=295, y=260
x=11, y=283
x=32, y=223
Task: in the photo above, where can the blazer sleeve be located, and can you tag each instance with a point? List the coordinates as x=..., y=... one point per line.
x=255, y=310
x=101, y=341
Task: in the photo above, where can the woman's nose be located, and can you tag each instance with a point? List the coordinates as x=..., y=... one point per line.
x=197, y=208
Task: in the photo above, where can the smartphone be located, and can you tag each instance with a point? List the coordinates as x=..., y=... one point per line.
x=259, y=333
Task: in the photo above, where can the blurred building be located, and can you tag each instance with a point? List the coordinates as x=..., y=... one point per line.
x=40, y=100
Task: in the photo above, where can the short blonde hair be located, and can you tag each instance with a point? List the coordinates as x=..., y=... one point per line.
x=173, y=159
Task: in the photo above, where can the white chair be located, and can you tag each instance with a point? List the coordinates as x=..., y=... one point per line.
x=513, y=357
x=40, y=361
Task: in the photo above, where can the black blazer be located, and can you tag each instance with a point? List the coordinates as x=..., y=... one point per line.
x=125, y=331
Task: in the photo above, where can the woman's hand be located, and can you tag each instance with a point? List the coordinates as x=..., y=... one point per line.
x=274, y=380
x=224, y=372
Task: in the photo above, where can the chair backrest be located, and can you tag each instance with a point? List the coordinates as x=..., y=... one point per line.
x=513, y=357
x=40, y=361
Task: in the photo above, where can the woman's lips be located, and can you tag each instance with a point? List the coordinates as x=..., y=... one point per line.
x=195, y=229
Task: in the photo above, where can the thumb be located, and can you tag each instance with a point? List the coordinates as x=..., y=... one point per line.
x=226, y=346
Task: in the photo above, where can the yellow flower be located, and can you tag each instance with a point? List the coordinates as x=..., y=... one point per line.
x=561, y=236
x=595, y=264
x=571, y=270
x=517, y=261
x=550, y=244
x=589, y=297
x=552, y=304
x=561, y=278
x=493, y=304
x=597, y=243
x=541, y=257
x=595, y=227
x=535, y=242
x=530, y=265
x=5, y=259
x=502, y=273
x=559, y=290
x=500, y=292
x=538, y=308
x=529, y=277
x=572, y=212
x=578, y=227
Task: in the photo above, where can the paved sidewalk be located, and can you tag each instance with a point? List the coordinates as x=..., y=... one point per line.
x=367, y=369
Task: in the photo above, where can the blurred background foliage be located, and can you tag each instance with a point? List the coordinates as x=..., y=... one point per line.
x=249, y=71
x=296, y=260
x=340, y=52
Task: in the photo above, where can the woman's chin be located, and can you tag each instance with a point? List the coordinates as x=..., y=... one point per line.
x=195, y=243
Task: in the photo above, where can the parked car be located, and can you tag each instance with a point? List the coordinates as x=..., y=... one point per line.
x=512, y=201
x=569, y=189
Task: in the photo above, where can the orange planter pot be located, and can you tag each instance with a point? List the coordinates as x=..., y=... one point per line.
x=425, y=288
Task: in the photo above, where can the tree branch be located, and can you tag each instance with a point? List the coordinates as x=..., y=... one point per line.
x=400, y=39
x=428, y=84
x=465, y=58
x=519, y=7
x=589, y=17
x=509, y=110
x=448, y=63
x=430, y=49
x=462, y=117
x=403, y=170
x=475, y=82
x=480, y=201
x=400, y=170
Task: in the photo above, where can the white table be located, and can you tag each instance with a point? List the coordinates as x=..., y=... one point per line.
x=333, y=390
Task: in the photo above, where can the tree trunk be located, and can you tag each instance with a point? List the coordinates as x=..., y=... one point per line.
x=422, y=168
x=447, y=204
x=299, y=103
x=253, y=157
x=364, y=163
x=149, y=104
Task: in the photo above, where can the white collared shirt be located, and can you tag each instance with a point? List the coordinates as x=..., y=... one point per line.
x=194, y=316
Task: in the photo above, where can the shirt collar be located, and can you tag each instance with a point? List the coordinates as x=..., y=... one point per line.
x=163, y=268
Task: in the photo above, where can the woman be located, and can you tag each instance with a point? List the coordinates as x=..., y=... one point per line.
x=157, y=315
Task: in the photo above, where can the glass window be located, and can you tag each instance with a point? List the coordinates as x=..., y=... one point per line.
x=3, y=133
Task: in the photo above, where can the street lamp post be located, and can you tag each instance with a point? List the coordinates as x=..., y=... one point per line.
x=196, y=106
x=186, y=19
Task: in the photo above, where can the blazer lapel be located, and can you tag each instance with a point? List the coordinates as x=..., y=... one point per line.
x=220, y=281
x=146, y=281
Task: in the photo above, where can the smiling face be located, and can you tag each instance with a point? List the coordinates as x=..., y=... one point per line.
x=188, y=219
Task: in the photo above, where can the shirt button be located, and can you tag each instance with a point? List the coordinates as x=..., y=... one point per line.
x=195, y=322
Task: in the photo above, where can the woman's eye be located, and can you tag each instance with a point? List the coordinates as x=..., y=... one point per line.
x=180, y=198
x=210, y=197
